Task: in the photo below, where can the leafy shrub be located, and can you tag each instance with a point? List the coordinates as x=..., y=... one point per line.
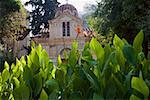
x=116, y=72
x=6, y=56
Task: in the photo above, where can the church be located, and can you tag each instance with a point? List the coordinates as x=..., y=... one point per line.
x=64, y=29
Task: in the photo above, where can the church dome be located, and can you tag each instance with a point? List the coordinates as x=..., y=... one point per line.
x=66, y=8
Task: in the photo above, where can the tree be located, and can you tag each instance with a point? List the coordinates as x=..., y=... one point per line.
x=12, y=19
x=93, y=22
x=124, y=17
x=43, y=10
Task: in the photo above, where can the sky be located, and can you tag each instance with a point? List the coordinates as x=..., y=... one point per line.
x=79, y=4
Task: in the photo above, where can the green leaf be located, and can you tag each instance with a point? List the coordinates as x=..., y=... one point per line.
x=5, y=75
x=133, y=97
x=22, y=60
x=43, y=95
x=27, y=75
x=137, y=43
x=39, y=50
x=16, y=81
x=98, y=50
x=53, y=72
x=74, y=55
x=34, y=61
x=107, y=70
x=118, y=42
x=52, y=85
x=6, y=65
x=37, y=84
x=119, y=86
x=120, y=57
x=97, y=97
x=130, y=55
x=21, y=93
x=139, y=85
x=128, y=79
x=53, y=96
x=92, y=78
x=75, y=96
x=59, y=60
x=44, y=59
x=32, y=44
x=60, y=77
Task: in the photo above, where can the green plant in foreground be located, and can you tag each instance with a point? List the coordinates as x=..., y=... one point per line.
x=113, y=72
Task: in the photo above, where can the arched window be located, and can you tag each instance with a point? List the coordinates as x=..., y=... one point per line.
x=65, y=28
x=68, y=28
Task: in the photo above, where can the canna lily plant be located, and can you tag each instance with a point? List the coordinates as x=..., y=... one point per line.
x=118, y=71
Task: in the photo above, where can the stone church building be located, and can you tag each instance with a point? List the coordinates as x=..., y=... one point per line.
x=63, y=30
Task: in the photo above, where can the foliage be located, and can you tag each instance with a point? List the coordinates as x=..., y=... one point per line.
x=43, y=10
x=12, y=19
x=113, y=72
x=124, y=17
x=105, y=40
x=6, y=56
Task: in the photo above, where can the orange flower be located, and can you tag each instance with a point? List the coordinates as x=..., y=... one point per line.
x=78, y=29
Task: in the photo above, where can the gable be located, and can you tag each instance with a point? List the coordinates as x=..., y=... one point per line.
x=65, y=17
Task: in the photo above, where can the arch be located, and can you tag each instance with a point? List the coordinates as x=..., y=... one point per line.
x=64, y=50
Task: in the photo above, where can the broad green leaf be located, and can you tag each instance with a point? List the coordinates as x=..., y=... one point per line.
x=92, y=78
x=16, y=81
x=97, y=97
x=107, y=70
x=29, y=62
x=59, y=60
x=139, y=85
x=129, y=54
x=128, y=79
x=39, y=50
x=21, y=93
x=53, y=72
x=120, y=57
x=98, y=50
x=52, y=85
x=22, y=60
x=34, y=61
x=141, y=56
x=75, y=96
x=37, y=84
x=27, y=75
x=119, y=86
x=133, y=97
x=44, y=59
x=32, y=44
x=89, y=60
x=59, y=76
x=34, y=57
x=6, y=66
x=137, y=43
x=118, y=42
x=74, y=55
x=43, y=95
x=53, y=96
x=5, y=75
x=19, y=65
x=107, y=50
